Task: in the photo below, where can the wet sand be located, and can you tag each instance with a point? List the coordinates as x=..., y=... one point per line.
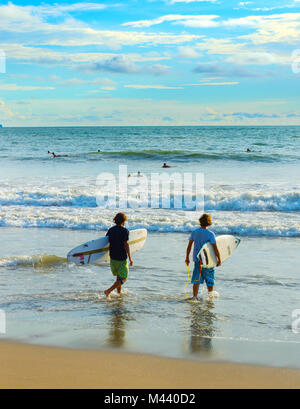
x=30, y=366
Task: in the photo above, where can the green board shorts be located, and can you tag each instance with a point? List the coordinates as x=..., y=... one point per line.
x=119, y=268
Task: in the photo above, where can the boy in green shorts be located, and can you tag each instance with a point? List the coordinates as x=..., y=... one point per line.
x=118, y=251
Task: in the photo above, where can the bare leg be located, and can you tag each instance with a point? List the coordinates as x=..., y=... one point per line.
x=116, y=285
x=210, y=289
x=195, y=290
x=119, y=288
x=112, y=288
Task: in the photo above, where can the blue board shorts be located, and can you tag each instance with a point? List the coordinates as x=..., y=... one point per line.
x=207, y=275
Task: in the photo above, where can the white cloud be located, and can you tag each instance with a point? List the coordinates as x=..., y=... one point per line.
x=15, y=87
x=32, y=13
x=57, y=9
x=283, y=28
x=242, y=53
x=188, y=52
x=213, y=83
x=32, y=23
x=5, y=111
x=275, y=28
x=104, y=83
x=43, y=55
x=186, y=20
x=151, y=87
x=143, y=111
x=189, y=1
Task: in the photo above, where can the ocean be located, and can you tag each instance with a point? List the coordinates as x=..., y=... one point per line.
x=49, y=205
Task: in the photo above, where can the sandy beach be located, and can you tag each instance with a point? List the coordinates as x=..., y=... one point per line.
x=29, y=366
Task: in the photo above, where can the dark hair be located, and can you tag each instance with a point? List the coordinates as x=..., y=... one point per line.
x=120, y=218
x=205, y=220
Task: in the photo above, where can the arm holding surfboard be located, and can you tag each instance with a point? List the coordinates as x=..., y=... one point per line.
x=217, y=254
x=189, y=248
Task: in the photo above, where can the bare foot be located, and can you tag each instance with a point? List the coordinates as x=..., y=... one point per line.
x=106, y=292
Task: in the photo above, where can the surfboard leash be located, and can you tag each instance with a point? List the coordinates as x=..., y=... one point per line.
x=200, y=270
x=188, y=279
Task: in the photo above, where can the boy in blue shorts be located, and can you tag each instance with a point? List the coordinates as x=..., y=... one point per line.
x=199, y=237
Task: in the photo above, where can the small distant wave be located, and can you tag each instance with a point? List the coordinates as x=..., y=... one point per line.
x=184, y=154
x=167, y=155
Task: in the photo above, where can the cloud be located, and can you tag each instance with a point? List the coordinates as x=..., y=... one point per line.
x=241, y=53
x=57, y=9
x=32, y=13
x=41, y=55
x=157, y=69
x=186, y=20
x=188, y=52
x=151, y=87
x=118, y=64
x=219, y=70
x=282, y=28
x=36, y=28
x=15, y=87
x=250, y=115
x=143, y=111
x=189, y=1
x=274, y=28
x=213, y=83
x=5, y=111
x=122, y=64
x=104, y=83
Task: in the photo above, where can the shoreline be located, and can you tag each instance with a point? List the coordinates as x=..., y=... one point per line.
x=33, y=366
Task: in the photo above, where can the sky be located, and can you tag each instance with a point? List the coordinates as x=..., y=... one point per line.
x=149, y=63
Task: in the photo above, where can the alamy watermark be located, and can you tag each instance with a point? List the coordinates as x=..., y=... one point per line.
x=2, y=62
x=296, y=321
x=2, y=322
x=180, y=191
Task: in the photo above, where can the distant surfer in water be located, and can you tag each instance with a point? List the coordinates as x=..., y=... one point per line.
x=119, y=250
x=165, y=166
x=57, y=156
x=199, y=237
x=248, y=150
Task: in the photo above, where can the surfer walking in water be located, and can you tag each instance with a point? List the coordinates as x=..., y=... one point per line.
x=198, y=238
x=119, y=250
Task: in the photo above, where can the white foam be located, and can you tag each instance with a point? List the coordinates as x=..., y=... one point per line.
x=157, y=220
x=239, y=198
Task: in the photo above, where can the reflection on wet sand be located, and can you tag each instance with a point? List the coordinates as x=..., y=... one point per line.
x=119, y=316
x=202, y=327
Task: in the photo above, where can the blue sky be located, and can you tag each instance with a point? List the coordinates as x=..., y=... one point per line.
x=155, y=62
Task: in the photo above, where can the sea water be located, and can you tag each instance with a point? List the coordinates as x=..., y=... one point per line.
x=49, y=205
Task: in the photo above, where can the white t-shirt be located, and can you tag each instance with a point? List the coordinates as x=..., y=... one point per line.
x=200, y=237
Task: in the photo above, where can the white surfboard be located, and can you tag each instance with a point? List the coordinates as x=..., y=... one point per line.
x=226, y=243
x=98, y=250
